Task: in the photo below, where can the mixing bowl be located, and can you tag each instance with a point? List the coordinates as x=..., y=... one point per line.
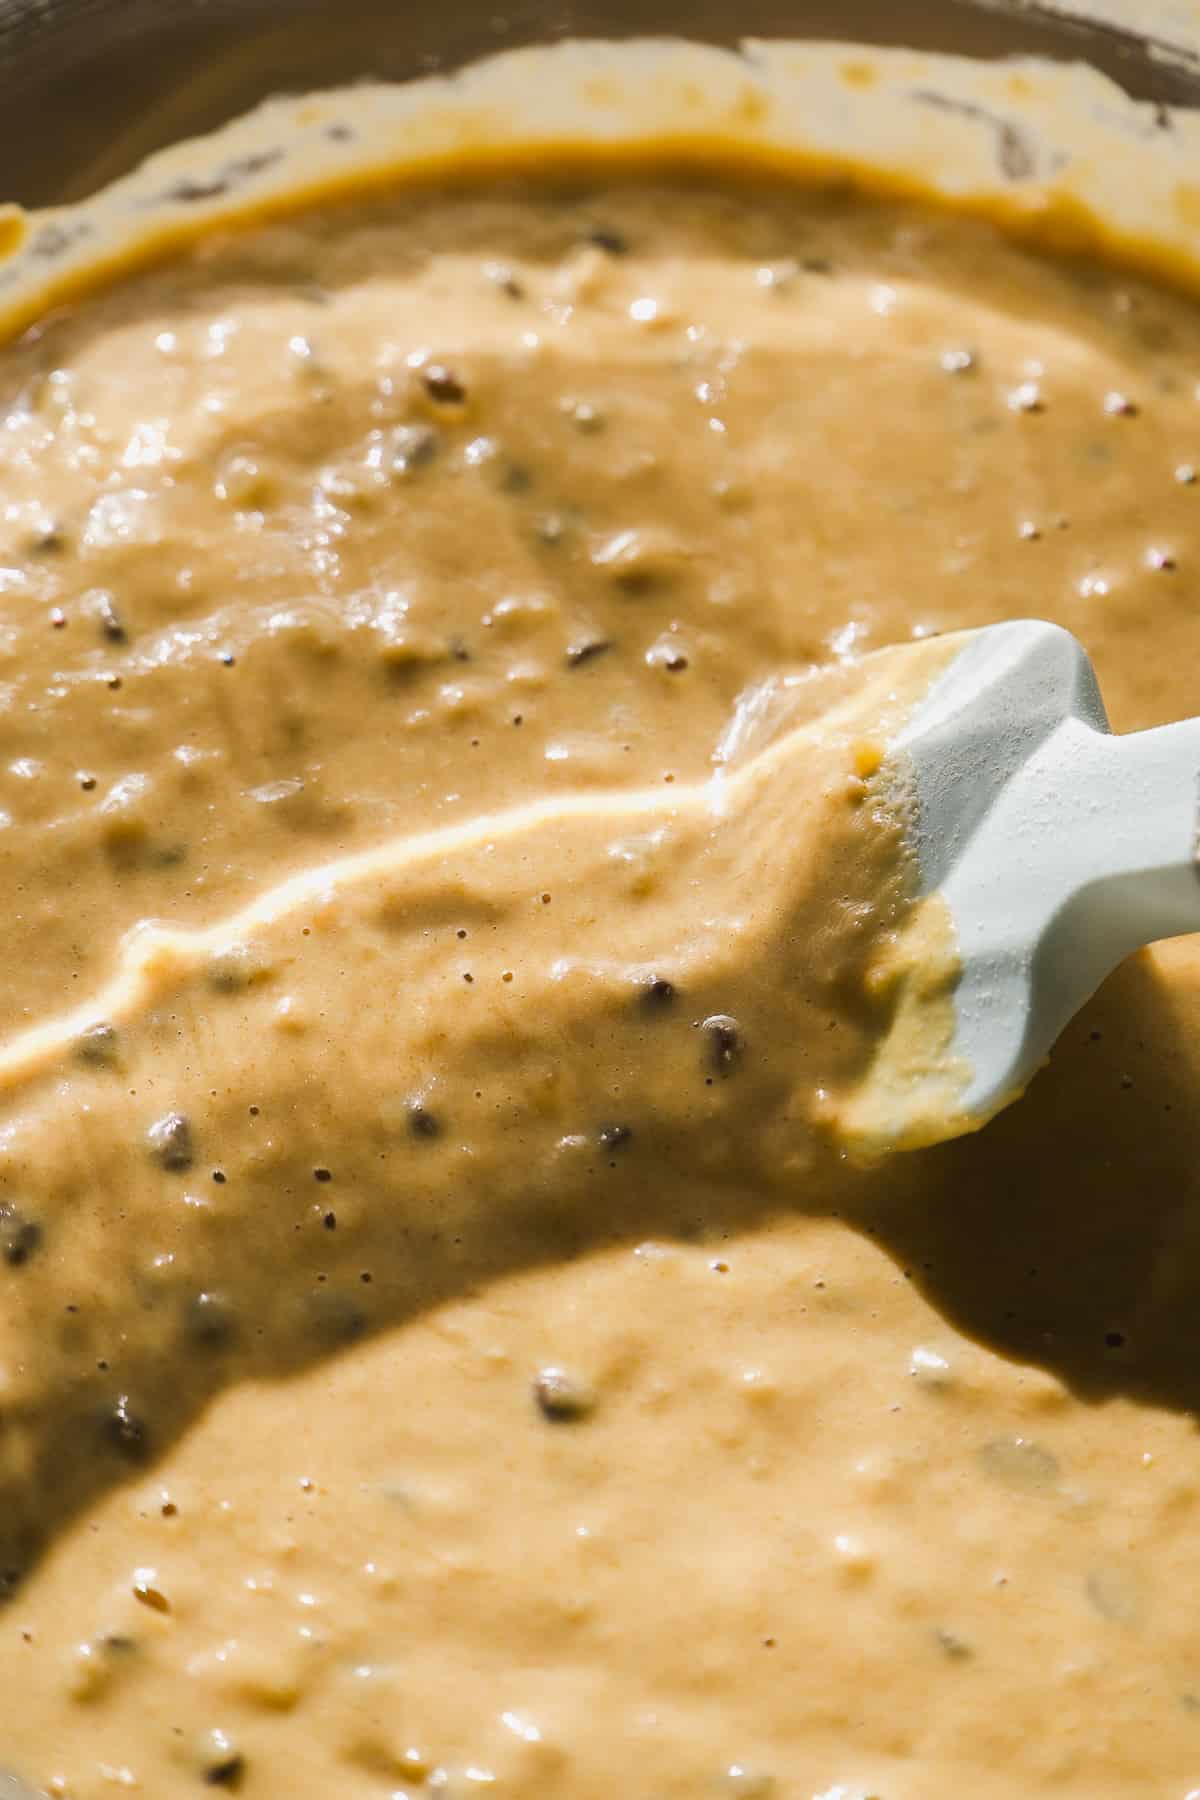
x=89, y=87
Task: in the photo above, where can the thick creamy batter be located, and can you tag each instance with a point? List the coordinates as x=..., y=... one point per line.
x=442, y=1349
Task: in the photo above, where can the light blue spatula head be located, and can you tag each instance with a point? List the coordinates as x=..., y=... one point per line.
x=1055, y=847
x=12, y=1789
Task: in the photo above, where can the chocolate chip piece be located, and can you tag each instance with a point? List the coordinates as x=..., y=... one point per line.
x=413, y=447
x=170, y=1141
x=111, y=622
x=20, y=1236
x=502, y=277
x=125, y=1431
x=443, y=386
x=336, y=1318
x=237, y=966
x=587, y=651
x=221, y=1762
x=226, y=1774
x=189, y=190
x=1120, y=406
x=98, y=1044
x=725, y=1041
x=615, y=1137
x=166, y=856
x=209, y=1322
x=605, y=238
x=151, y=1596
x=659, y=992
x=562, y=1397
x=421, y=1122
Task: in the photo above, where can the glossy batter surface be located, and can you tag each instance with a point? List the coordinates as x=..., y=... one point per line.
x=441, y=1350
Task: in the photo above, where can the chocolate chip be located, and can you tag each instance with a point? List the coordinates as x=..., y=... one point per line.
x=111, y=622
x=605, y=238
x=443, y=386
x=53, y=240
x=170, y=1141
x=503, y=278
x=20, y=1236
x=151, y=1596
x=337, y=1318
x=615, y=1137
x=1120, y=406
x=227, y=1773
x=98, y=1043
x=587, y=651
x=562, y=1397
x=659, y=992
x=125, y=1431
x=421, y=1122
x=725, y=1041
x=235, y=967
x=209, y=1322
x=189, y=190
x=413, y=447
x=243, y=167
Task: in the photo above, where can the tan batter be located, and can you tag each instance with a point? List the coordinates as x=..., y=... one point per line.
x=442, y=1350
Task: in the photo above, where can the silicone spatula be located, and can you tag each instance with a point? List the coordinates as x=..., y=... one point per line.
x=12, y=1789
x=1057, y=847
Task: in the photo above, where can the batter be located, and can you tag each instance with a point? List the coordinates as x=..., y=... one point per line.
x=444, y=1349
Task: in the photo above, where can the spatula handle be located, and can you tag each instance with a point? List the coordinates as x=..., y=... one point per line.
x=1148, y=823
